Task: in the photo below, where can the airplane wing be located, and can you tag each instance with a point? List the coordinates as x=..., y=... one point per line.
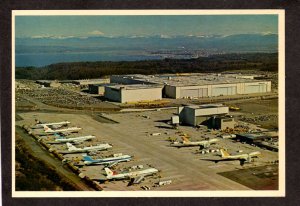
x=177, y=145
x=136, y=180
x=242, y=161
x=65, y=133
x=57, y=126
x=78, y=141
x=112, y=164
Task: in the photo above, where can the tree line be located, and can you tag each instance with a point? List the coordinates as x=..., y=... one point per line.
x=89, y=70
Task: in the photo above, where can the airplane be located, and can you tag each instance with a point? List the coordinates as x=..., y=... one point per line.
x=69, y=129
x=109, y=161
x=73, y=149
x=187, y=143
x=135, y=176
x=61, y=139
x=53, y=124
x=243, y=158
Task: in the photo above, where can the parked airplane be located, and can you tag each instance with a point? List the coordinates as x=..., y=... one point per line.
x=53, y=124
x=61, y=139
x=243, y=158
x=73, y=149
x=109, y=161
x=187, y=143
x=69, y=129
x=136, y=176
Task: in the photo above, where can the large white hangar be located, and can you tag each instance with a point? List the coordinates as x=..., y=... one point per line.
x=196, y=114
x=133, y=93
x=219, y=89
x=198, y=84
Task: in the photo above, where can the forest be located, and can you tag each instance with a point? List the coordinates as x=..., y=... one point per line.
x=89, y=70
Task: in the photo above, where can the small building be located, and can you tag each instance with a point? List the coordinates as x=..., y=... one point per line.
x=257, y=137
x=221, y=122
x=251, y=137
x=133, y=93
x=86, y=82
x=98, y=88
x=197, y=114
x=49, y=83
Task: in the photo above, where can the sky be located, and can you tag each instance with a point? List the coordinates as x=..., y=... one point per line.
x=84, y=26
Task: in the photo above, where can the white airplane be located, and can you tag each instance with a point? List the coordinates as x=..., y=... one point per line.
x=187, y=143
x=53, y=124
x=137, y=176
x=109, y=161
x=61, y=139
x=243, y=158
x=69, y=129
x=73, y=149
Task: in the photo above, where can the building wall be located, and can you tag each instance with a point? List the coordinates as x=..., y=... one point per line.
x=91, y=81
x=135, y=95
x=200, y=119
x=221, y=123
x=211, y=111
x=195, y=116
x=193, y=91
x=225, y=123
x=187, y=115
x=120, y=80
x=217, y=89
x=95, y=89
x=112, y=94
x=224, y=89
x=257, y=87
x=170, y=91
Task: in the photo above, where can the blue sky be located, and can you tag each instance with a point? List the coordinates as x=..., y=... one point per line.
x=83, y=26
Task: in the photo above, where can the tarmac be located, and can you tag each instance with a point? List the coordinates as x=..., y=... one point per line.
x=131, y=133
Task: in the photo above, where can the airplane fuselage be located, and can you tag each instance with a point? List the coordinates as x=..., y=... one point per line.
x=197, y=143
x=145, y=172
x=123, y=158
x=70, y=129
x=90, y=149
x=246, y=157
x=51, y=124
x=75, y=139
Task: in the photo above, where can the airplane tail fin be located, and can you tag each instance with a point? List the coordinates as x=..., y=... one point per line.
x=255, y=154
x=71, y=147
x=185, y=139
x=214, y=140
x=47, y=129
x=224, y=153
x=108, y=171
x=58, y=136
x=87, y=158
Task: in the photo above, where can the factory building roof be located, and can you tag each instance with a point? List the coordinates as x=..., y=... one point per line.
x=205, y=106
x=103, y=84
x=190, y=79
x=134, y=86
x=90, y=81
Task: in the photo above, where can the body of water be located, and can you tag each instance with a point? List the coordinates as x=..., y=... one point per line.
x=43, y=59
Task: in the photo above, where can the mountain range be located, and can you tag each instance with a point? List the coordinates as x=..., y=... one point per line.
x=143, y=47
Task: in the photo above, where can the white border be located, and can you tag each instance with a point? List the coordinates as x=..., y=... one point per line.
x=281, y=108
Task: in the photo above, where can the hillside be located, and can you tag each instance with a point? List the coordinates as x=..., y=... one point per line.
x=214, y=63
